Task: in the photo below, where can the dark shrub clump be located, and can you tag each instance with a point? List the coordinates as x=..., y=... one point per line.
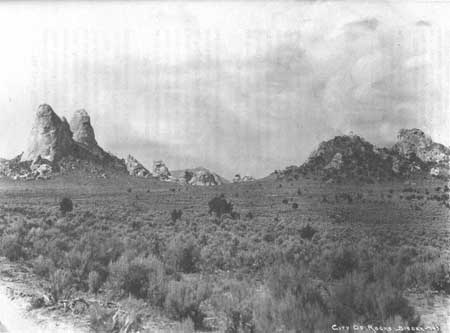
x=176, y=214
x=307, y=232
x=220, y=206
x=65, y=205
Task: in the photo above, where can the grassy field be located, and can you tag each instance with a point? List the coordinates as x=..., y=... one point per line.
x=289, y=255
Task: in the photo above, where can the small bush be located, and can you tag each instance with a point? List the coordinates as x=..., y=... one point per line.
x=291, y=301
x=432, y=275
x=342, y=262
x=11, y=247
x=94, y=281
x=60, y=285
x=184, y=300
x=183, y=254
x=186, y=326
x=65, y=205
x=176, y=215
x=439, y=275
x=220, y=206
x=43, y=266
x=134, y=280
x=141, y=277
x=307, y=232
x=294, y=205
x=356, y=300
x=36, y=302
x=235, y=302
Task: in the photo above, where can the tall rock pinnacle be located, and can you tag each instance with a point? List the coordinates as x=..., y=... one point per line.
x=50, y=138
x=82, y=129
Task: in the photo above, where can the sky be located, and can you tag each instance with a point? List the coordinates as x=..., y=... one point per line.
x=237, y=87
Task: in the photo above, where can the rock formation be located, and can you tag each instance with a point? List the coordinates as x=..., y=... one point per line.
x=50, y=138
x=199, y=177
x=160, y=170
x=350, y=157
x=53, y=147
x=238, y=179
x=80, y=124
x=135, y=168
x=414, y=143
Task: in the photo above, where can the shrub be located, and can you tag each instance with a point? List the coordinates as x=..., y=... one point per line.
x=406, y=255
x=60, y=284
x=183, y=254
x=176, y=215
x=184, y=299
x=186, y=326
x=342, y=262
x=94, y=282
x=235, y=301
x=141, y=277
x=11, y=247
x=158, y=280
x=356, y=300
x=307, y=232
x=43, y=266
x=36, y=302
x=65, y=205
x=129, y=277
x=101, y=319
x=220, y=206
x=439, y=276
x=294, y=205
x=292, y=301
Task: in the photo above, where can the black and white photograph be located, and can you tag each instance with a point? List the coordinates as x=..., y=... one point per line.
x=225, y=166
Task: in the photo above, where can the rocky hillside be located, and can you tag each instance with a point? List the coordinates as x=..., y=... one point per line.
x=350, y=157
x=199, y=177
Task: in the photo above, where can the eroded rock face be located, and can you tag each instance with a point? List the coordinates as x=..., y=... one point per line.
x=50, y=138
x=414, y=143
x=238, y=179
x=135, y=168
x=80, y=124
x=201, y=177
x=160, y=170
x=336, y=162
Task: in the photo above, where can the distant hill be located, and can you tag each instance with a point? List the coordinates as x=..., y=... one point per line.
x=351, y=157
